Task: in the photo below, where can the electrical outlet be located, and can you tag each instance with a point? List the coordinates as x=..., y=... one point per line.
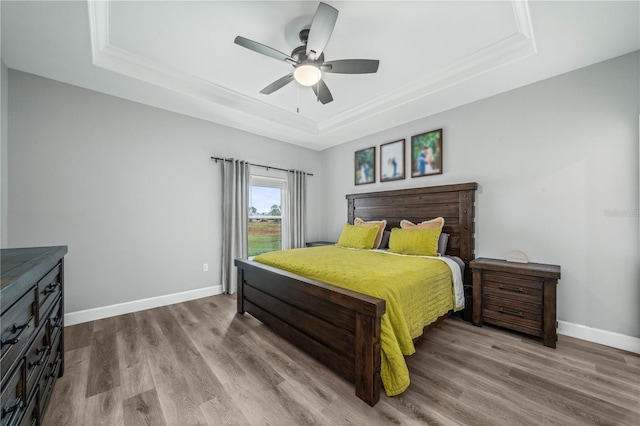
x=205, y=267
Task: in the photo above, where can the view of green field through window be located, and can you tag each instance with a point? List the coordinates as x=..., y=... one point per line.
x=265, y=220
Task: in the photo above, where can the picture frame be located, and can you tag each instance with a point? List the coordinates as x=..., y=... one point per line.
x=392, y=156
x=426, y=154
x=365, y=166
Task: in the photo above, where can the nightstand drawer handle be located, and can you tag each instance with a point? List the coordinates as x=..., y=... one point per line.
x=517, y=314
x=519, y=289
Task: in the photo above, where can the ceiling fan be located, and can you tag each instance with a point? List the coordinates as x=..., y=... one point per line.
x=308, y=59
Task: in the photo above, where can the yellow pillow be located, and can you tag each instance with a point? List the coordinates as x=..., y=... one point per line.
x=438, y=222
x=381, y=224
x=360, y=237
x=415, y=241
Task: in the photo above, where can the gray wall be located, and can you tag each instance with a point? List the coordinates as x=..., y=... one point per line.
x=129, y=188
x=557, y=165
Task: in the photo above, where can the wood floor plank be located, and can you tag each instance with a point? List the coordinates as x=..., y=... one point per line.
x=143, y=410
x=67, y=403
x=240, y=385
x=103, y=363
x=177, y=400
x=135, y=375
x=218, y=413
x=183, y=315
x=591, y=410
x=200, y=363
x=203, y=382
x=110, y=323
x=444, y=376
x=291, y=371
x=78, y=336
x=210, y=342
x=104, y=409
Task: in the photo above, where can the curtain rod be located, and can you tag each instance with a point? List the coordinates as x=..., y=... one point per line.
x=216, y=159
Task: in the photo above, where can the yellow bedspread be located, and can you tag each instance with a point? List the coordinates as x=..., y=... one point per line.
x=417, y=291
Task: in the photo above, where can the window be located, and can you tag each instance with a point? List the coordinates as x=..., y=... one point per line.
x=266, y=196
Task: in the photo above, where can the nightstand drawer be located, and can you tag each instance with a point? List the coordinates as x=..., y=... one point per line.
x=503, y=310
x=512, y=286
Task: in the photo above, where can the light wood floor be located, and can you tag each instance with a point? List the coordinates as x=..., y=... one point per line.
x=199, y=363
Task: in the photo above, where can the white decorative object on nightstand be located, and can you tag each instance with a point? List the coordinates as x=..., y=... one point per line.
x=517, y=256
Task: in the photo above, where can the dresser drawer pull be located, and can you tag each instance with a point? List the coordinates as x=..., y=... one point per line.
x=517, y=314
x=54, y=366
x=16, y=338
x=51, y=288
x=518, y=290
x=41, y=360
x=6, y=410
x=57, y=322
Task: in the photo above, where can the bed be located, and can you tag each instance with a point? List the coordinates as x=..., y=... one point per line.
x=340, y=327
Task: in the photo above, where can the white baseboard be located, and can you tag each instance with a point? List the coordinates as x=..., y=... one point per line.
x=138, y=305
x=603, y=337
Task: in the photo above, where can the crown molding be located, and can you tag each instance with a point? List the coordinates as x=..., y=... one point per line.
x=275, y=122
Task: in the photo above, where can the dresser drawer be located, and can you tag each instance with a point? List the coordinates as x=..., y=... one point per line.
x=512, y=286
x=48, y=379
x=500, y=311
x=36, y=358
x=18, y=326
x=49, y=289
x=30, y=417
x=54, y=322
x=13, y=398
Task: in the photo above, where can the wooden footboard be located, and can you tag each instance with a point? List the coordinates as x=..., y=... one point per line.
x=339, y=327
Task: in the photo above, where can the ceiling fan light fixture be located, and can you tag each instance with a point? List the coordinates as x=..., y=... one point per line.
x=307, y=75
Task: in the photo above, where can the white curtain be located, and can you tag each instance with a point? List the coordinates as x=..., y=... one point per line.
x=235, y=210
x=296, y=208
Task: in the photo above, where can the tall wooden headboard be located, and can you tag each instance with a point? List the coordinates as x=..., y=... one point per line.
x=455, y=203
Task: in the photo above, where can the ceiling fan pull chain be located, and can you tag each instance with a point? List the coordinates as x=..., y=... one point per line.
x=298, y=98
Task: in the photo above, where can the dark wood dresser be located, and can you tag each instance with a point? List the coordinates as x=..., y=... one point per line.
x=32, y=326
x=518, y=296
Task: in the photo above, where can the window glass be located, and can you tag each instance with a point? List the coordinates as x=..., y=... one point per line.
x=265, y=215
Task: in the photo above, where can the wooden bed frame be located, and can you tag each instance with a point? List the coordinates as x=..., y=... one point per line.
x=339, y=327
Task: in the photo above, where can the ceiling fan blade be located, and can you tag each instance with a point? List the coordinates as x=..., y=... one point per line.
x=278, y=84
x=351, y=66
x=320, y=31
x=264, y=50
x=324, y=94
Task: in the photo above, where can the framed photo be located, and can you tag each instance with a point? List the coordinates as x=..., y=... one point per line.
x=426, y=154
x=365, y=166
x=392, y=161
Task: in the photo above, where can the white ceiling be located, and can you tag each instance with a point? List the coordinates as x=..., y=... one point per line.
x=434, y=55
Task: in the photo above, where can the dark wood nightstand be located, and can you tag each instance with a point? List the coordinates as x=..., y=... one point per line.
x=319, y=243
x=518, y=296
